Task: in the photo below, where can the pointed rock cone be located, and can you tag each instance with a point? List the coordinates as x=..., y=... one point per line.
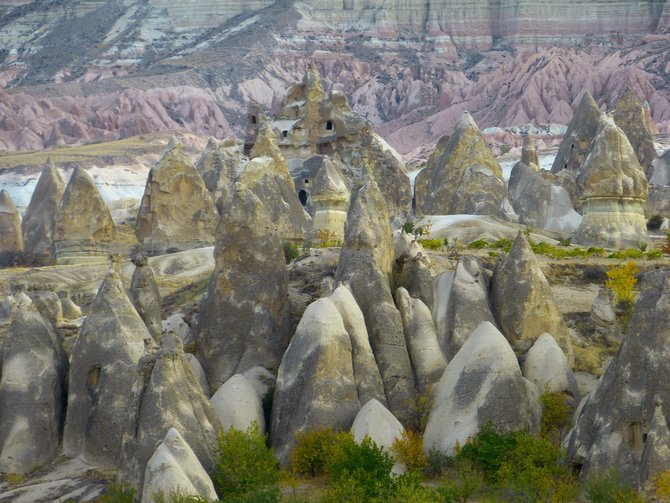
x=237, y=404
x=83, y=227
x=145, y=295
x=103, y=365
x=522, y=302
x=576, y=143
x=437, y=184
x=11, y=240
x=656, y=455
x=631, y=116
x=39, y=218
x=529, y=153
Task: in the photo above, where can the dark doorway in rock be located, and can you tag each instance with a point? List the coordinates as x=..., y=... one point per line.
x=329, y=126
x=302, y=195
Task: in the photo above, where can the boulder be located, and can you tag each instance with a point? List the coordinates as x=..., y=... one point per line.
x=11, y=239
x=547, y=367
x=32, y=393
x=539, y=203
x=576, y=143
x=468, y=305
x=103, y=366
x=477, y=388
x=424, y=349
x=244, y=316
x=614, y=189
x=176, y=211
x=237, y=404
x=614, y=426
x=39, y=219
x=365, y=263
x=315, y=384
x=218, y=166
x=83, y=226
x=631, y=116
x=369, y=383
x=174, y=468
x=522, y=302
x=145, y=295
x=461, y=173
x=165, y=395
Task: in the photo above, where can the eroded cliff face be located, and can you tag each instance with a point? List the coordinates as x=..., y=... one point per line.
x=124, y=67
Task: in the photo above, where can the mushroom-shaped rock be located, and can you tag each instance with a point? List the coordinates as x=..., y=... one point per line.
x=369, y=383
x=11, y=240
x=330, y=201
x=632, y=117
x=614, y=189
x=273, y=185
x=315, y=385
x=581, y=131
x=529, y=154
x=365, y=263
x=145, y=295
x=522, y=302
x=103, y=365
x=614, y=425
x=176, y=210
x=424, y=349
x=83, y=227
x=477, y=388
x=39, y=218
x=547, y=367
x=32, y=393
x=165, y=395
x=439, y=182
x=468, y=305
x=244, y=316
x=539, y=203
x=237, y=404
x=218, y=165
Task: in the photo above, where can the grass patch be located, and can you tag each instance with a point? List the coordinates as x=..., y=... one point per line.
x=431, y=244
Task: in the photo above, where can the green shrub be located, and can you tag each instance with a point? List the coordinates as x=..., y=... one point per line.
x=487, y=450
x=609, y=487
x=555, y=412
x=118, y=493
x=408, y=228
x=655, y=222
x=291, y=251
x=654, y=254
x=315, y=449
x=466, y=482
x=365, y=466
x=479, y=244
x=431, y=244
x=408, y=449
x=245, y=470
x=503, y=244
x=437, y=463
x=407, y=488
x=630, y=253
x=178, y=497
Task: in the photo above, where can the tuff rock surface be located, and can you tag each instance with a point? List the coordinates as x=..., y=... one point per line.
x=11, y=239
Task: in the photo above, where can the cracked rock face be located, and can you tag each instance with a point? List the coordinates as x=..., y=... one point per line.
x=11, y=239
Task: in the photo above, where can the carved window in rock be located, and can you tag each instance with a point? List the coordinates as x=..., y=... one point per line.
x=329, y=126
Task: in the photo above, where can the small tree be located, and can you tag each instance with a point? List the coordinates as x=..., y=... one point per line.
x=622, y=282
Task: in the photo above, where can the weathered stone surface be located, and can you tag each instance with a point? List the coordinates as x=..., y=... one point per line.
x=412, y=267
x=365, y=263
x=218, y=165
x=83, y=226
x=522, y=302
x=315, y=384
x=658, y=201
x=468, y=305
x=633, y=119
x=441, y=291
x=11, y=239
x=244, y=316
x=165, y=395
x=174, y=468
x=442, y=185
x=39, y=218
x=49, y=305
x=330, y=202
x=615, y=421
x=481, y=192
x=145, y=295
x=659, y=173
x=529, y=153
x=198, y=371
x=547, y=367
x=614, y=188
x=103, y=365
x=477, y=387
x=237, y=404
x=424, y=349
x=177, y=210
x=70, y=310
x=576, y=143
x=369, y=383
x=539, y=203
x=604, y=317
x=656, y=455
x=33, y=375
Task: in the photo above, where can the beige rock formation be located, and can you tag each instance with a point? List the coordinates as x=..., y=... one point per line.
x=83, y=226
x=39, y=218
x=450, y=179
x=237, y=404
x=218, y=165
x=145, y=295
x=176, y=211
x=330, y=202
x=576, y=143
x=11, y=239
x=632, y=117
x=614, y=190
x=529, y=153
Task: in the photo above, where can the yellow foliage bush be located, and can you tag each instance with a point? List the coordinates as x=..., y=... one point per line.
x=622, y=281
x=408, y=449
